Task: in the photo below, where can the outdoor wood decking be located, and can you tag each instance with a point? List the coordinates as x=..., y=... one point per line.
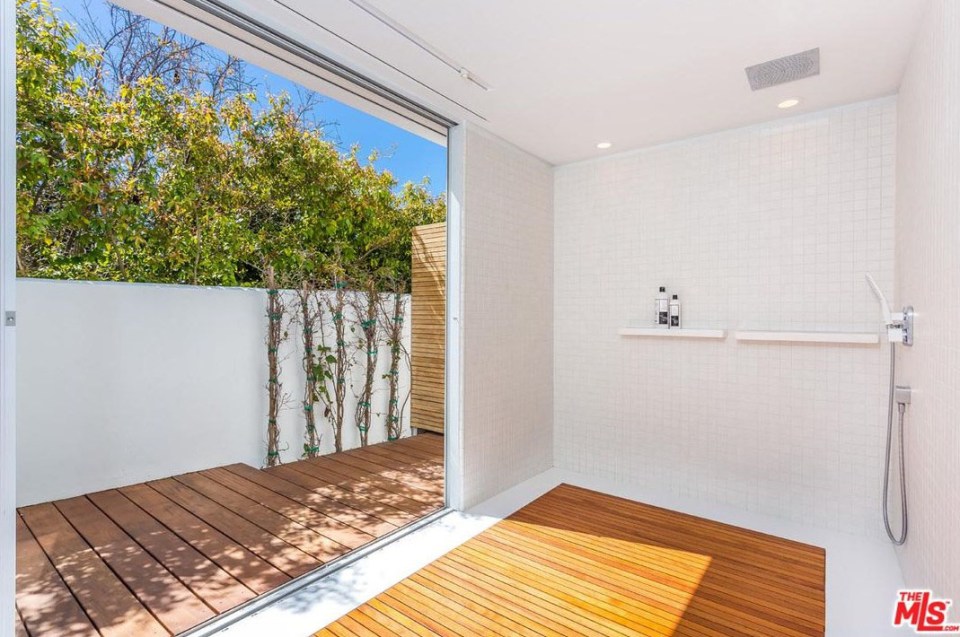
x=161, y=557
x=576, y=562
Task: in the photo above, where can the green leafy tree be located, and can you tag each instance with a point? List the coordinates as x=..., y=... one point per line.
x=168, y=169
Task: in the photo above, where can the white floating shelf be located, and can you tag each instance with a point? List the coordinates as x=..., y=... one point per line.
x=683, y=332
x=849, y=338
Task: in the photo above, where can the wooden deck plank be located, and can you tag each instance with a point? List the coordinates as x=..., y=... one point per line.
x=215, y=586
x=425, y=464
x=160, y=557
x=337, y=509
x=428, y=467
x=433, y=608
x=480, y=616
x=405, y=478
x=254, y=572
x=310, y=542
x=269, y=547
x=409, y=626
x=426, y=440
x=650, y=562
x=343, y=534
x=375, y=626
x=426, y=450
x=19, y=630
x=394, y=452
x=158, y=590
x=360, y=483
x=106, y=600
x=714, y=537
x=420, y=612
x=326, y=488
x=356, y=628
x=658, y=604
x=45, y=602
x=390, y=625
x=636, y=618
x=538, y=608
x=537, y=553
x=579, y=562
x=464, y=591
x=536, y=597
x=346, y=467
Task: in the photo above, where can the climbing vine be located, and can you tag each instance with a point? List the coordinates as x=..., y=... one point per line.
x=392, y=309
x=311, y=317
x=276, y=334
x=337, y=361
x=365, y=309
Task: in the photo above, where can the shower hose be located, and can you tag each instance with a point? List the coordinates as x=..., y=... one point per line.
x=886, y=472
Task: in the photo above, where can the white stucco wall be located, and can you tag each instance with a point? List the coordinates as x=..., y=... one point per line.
x=120, y=383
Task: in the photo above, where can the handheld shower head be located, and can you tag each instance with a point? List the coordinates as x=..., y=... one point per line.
x=899, y=324
x=885, y=310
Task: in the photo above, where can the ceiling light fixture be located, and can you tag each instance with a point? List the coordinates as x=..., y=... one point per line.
x=604, y=145
x=790, y=103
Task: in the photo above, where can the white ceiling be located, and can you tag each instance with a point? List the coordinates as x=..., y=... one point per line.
x=565, y=75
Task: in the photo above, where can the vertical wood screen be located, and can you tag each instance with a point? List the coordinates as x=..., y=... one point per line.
x=429, y=292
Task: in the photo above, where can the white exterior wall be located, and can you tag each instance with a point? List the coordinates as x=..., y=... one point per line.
x=120, y=383
x=770, y=227
x=928, y=277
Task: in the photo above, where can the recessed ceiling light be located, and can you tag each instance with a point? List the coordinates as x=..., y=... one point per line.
x=790, y=103
x=604, y=145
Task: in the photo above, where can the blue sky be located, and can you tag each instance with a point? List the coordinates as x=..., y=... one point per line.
x=408, y=156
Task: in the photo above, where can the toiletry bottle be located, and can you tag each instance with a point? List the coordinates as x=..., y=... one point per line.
x=675, y=312
x=662, y=308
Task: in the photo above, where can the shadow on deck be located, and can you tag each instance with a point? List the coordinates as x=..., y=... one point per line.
x=161, y=557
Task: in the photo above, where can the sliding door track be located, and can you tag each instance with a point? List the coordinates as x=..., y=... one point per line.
x=215, y=625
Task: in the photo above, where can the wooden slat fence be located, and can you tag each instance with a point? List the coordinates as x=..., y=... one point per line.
x=429, y=293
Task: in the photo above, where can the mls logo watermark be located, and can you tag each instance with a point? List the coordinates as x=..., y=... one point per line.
x=921, y=610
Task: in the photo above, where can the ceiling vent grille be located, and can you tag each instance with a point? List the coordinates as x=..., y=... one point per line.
x=786, y=69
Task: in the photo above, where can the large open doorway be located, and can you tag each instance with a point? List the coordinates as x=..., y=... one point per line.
x=232, y=334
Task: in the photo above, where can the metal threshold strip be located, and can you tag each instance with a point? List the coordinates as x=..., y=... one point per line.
x=215, y=625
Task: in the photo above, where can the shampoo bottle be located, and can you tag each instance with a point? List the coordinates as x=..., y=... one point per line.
x=675, y=312
x=662, y=302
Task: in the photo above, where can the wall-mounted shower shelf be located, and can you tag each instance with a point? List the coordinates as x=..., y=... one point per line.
x=848, y=338
x=683, y=332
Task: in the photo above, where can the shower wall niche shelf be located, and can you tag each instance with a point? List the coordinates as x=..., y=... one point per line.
x=683, y=332
x=845, y=338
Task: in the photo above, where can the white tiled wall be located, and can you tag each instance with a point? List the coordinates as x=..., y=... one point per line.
x=928, y=277
x=507, y=316
x=768, y=227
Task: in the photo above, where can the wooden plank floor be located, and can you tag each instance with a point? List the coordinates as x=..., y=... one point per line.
x=576, y=562
x=161, y=557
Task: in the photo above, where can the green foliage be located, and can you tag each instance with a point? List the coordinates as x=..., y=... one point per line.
x=160, y=181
